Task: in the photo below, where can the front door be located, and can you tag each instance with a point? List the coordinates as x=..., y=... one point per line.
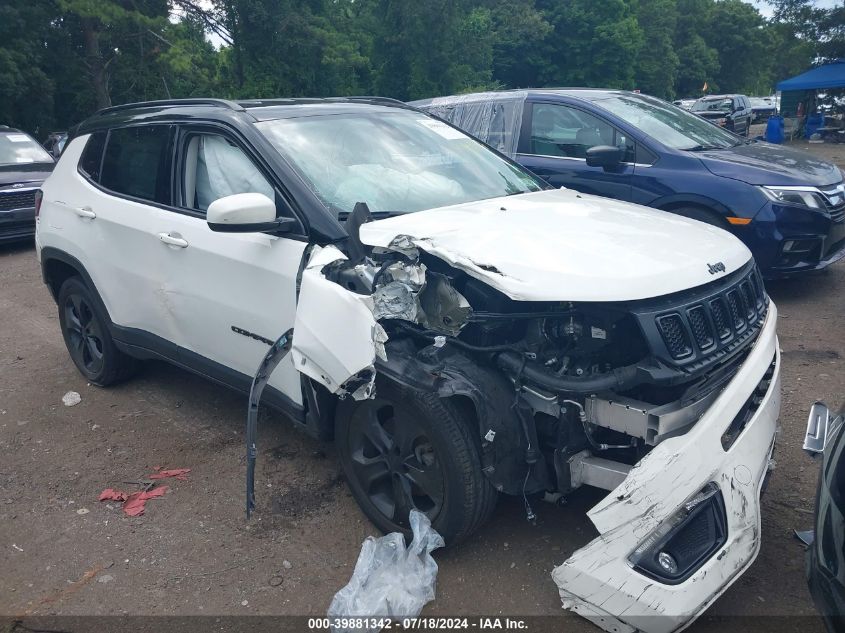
x=230, y=294
x=559, y=137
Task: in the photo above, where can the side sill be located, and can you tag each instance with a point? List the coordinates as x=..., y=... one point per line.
x=145, y=346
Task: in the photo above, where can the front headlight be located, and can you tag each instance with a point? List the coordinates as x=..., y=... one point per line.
x=800, y=196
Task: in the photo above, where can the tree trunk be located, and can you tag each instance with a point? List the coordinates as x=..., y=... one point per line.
x=96, y=66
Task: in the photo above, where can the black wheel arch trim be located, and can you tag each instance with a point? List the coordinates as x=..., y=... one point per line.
x=48, y=254
x=674, y=201
x=491, y=396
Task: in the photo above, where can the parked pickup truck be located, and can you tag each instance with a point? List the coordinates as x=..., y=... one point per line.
x=787, y=206
x=460, y=329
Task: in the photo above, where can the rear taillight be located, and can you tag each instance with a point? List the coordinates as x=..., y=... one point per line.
x=38, y=196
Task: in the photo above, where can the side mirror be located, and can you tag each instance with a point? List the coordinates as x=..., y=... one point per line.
x=821, y=426
x=245, y=213
x=606, y=156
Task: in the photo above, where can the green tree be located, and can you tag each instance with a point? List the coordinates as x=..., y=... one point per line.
x=735, y=30
x=658, y=63
x=593, y=44
x=26, y=91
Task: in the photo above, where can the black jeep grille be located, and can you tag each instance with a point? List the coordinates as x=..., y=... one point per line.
x=714, y=324
x=675, y=335
x=702, y=332
x=17, y=200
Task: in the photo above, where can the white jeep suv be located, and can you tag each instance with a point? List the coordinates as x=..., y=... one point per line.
x=459, y=328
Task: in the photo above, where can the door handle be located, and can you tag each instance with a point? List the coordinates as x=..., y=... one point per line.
x=85, y=212
x=168, y=239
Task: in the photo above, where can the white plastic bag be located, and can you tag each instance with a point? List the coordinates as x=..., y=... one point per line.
x=390, y=580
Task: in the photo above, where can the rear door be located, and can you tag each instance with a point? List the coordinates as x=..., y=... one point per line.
x=556, y=137
x=230, y=294
x=110, y=214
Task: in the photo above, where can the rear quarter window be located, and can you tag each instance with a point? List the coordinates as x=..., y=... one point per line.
x=136, y=162
x=92, y=156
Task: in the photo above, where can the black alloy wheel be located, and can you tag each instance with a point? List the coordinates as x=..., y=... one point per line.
x=83, y=333
x=405, y=450
x=395, y=462
x=87, y=337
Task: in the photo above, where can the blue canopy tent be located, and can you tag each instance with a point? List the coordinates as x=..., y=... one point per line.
x=824, y=77
x=803, y=88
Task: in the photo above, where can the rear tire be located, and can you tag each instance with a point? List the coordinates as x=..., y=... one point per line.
x=87, y=337
x=405, y=449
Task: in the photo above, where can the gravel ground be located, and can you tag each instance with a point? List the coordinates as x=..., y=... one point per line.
x=63, y=552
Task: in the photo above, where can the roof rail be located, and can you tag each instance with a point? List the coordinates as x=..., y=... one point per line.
x=386, y=100
x=221, y=103
x=256, y=103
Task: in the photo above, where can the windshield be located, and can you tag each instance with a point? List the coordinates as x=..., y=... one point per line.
x=668, y=124
x=712, y=105
x=395, y=161
x=16, y=147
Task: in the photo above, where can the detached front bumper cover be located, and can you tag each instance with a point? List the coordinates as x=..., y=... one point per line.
x=620, y=581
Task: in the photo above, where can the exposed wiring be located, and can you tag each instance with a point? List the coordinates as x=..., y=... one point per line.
x=582, y=415
x=432, y=334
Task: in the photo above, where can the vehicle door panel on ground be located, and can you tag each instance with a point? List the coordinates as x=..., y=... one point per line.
x=555, y=149
x=222, y=287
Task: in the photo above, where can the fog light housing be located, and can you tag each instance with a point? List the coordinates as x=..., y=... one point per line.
x=682, y=543
x=669, y=564
x=799, y=246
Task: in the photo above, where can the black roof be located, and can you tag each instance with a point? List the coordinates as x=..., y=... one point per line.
x=254, y=109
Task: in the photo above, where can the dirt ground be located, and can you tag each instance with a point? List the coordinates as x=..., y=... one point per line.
x=63, y=552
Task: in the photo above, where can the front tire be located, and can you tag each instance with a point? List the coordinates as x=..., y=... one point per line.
x=404, y=449
x=87, y=337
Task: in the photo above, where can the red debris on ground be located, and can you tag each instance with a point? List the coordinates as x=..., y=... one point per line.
x=133, y=504
x=178, y=473
x=110, y=494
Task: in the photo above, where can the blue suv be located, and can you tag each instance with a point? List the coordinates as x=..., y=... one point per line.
x=786, y=205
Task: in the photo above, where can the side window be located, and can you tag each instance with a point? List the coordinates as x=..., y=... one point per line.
x=137, y=162
x=644, y=156
x=559, y=130
x=92, y=156
x=213, y=168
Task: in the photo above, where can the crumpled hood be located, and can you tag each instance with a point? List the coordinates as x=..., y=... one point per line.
x=561, y=245
x=766, y=164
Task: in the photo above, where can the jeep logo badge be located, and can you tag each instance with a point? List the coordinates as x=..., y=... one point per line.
x=718, y=267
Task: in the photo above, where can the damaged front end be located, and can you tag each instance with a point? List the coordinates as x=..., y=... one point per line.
x=670, y=403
